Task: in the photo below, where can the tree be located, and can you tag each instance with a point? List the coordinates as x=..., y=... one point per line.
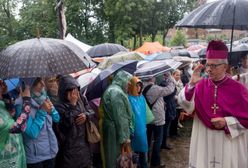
x=85, y=20
x=38, y=14
x=179, y=39
x=7, y=22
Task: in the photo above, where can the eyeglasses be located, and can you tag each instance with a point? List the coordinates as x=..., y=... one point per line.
x=212, y=66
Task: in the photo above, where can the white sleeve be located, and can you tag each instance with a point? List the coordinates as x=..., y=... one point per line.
x=188, y=106
x=234, y=127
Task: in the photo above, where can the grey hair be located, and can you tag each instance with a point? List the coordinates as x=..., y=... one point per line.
x=220, y=61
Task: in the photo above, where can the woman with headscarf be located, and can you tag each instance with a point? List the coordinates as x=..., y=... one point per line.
x=39, y=139
x=139, y=108
x=115, y=119
x=74, y=147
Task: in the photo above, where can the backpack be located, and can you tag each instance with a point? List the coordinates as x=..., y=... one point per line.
x=144, y=94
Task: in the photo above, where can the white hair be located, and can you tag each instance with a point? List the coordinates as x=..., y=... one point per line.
x=220, y=61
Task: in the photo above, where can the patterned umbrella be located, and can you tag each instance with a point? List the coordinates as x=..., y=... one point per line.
x=42, y=57
x=120, y=57
x=152, y=69
x=105, y=49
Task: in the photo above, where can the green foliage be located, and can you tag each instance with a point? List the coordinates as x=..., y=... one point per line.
x=179, y=39
x=129, y=22
x=216, y=37
x=7, y=22
x=38, y=17
x=210, y=38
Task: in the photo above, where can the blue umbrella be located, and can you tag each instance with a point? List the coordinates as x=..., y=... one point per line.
x=12, y=83
x=97, y=87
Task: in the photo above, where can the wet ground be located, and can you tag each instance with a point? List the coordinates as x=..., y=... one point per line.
x=178, y=156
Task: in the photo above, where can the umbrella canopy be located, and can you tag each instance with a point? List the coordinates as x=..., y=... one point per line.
x=152, y=69
x=237, y=52
x=152, y=47
x=42, y=57
x=120, y=57
x=241, y=48
x=158, y=56
x=86, y=79
x=202, y=53
x=221, y=14
x=12, y=83
x=184, y=53
x=195, y=48
x=97, y=87
x=83, y=46
x=105, y=49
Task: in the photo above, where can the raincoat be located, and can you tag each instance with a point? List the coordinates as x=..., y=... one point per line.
x=12, y=152
x=115, y=119
x=74, y=149
x=139, y=108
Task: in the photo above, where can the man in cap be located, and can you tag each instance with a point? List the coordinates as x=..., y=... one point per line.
x=220, y=134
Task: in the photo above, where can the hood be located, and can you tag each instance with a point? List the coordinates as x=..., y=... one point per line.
x=66, y=83
x=132, y=87
x=121, y=79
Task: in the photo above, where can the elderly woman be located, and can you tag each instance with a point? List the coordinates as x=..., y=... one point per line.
x=39, y=139
x=74, y=148
x=140, y=109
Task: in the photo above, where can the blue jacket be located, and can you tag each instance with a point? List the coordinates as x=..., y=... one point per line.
x=39, y=139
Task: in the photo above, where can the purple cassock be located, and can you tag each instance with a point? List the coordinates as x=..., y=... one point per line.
x=231, y=100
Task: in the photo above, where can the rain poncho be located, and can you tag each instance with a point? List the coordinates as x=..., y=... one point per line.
x=12, y=154
x=115, y=118
x=139, y=108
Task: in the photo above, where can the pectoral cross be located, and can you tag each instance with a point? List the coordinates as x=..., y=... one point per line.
x=214, y=162
x=215, y=107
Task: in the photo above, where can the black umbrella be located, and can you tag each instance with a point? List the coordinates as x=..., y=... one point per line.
x=184, y=53
x=42, y=57
x=97, y=87
x=152, y=69
x=105, y=49
x=238, y=51
x=221, y=14
x=202, y=53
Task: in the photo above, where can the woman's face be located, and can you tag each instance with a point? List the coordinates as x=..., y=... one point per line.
x=3, y=87
x=73, y=96
x=177, y=76
x=245, y=62
x=52, y=86
x=39, y=86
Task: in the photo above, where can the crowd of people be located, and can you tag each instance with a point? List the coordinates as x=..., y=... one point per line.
x=45, y=125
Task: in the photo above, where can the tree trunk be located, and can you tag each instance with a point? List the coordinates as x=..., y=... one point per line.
x=154, y=36
x=134, y=42
x=140, y=36
x=61, y=19
x=122, y=42
x=111, y=32
x=164, y=36
x=196, y=33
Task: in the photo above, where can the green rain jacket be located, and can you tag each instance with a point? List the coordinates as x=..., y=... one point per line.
x=12, y=154
x=117, y=116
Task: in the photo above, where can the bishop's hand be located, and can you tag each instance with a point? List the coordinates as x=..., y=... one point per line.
x=196, y=76
x=218, y=122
